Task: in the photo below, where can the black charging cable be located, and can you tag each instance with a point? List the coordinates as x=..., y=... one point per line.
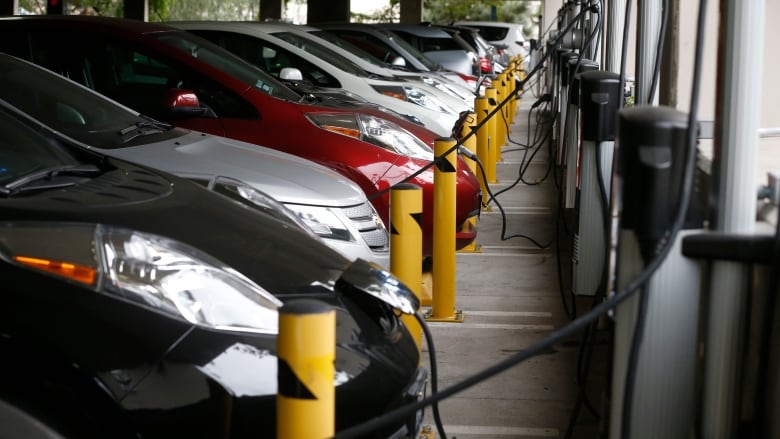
x=535, y=349
x=434, y=372
x=503, y=236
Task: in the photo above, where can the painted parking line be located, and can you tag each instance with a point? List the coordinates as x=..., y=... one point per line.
x=520, y=211
x=529, y=252
x=509, y=313
x=467, y=325
x=493, y=431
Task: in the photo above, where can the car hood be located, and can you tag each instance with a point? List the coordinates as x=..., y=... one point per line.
x=287, y=178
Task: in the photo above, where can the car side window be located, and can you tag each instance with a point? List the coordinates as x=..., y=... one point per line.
x=133, y=76
x=268, y=57
x=426, y=44
x=371, y=44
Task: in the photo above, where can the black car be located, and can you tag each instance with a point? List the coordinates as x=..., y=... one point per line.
x=138, y=304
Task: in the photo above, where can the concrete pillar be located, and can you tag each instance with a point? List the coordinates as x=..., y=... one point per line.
x=334, y=10
x=137, y=9
x=9, y=7
x=56, y=7
x=670, y=63
x=271, y=9
x=411, y=11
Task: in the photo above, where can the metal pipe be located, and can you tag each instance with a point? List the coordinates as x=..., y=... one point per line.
x=444, y=191
x=490, y=94
x=471, y=144
x=481, y=106
x=306, y=396
x=738, y=111
x=648, y=28
x=406, y=245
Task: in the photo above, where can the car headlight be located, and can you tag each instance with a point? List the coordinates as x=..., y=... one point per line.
x=414, y=95
x=376, y=131
x=152, y=270
x=465, y=97
x=381, y=284
x=322, y=221
x=248, y=195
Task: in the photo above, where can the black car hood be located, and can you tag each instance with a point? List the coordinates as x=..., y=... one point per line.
x=280, y=258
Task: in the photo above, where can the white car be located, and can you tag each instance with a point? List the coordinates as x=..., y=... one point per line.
x=500, y=33
x=385, y=45
x=323, y=67
x=455, y=87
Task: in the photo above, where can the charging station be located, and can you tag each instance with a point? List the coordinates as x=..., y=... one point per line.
x=572, y=131
x=563, y=102
x=599, y=99
x=655, y=331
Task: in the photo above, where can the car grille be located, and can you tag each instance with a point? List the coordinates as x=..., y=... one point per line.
x=371, y=228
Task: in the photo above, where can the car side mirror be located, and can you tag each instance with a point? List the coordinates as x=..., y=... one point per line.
x=290, y=74
x=398, y=61
x=182, y=102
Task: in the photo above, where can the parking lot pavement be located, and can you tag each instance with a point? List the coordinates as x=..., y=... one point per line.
x=510, y=298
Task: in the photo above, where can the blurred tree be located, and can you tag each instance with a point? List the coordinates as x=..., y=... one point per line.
x=435, y=11
x=387, y=14
x=447, y=11
x=205, y=10
x=111, y=8
x=513, y=11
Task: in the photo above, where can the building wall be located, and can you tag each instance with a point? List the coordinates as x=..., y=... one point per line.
x=769, y=148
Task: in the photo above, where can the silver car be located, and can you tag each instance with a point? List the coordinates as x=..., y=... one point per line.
x=438, y=45
x=331, y=206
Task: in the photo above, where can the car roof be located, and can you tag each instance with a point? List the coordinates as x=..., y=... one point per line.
x=363, y=27
x=265, y=26
x=417, y=29
x=124, y=24
x=487, y=23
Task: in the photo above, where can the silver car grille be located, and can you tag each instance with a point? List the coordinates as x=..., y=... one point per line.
x=370, y=226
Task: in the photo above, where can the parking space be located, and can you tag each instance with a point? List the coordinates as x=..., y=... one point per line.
x=510, y=298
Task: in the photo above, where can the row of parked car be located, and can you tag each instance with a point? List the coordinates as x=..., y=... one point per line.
x=166, y=188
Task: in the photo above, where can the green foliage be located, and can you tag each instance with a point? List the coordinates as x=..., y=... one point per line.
x=110, y=8
x=447, y=11
x=390, y=13
x=436, y=11
x=159, y=10
x=204, y=10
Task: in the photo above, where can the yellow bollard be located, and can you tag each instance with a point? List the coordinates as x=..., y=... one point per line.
x=512, y=78
x=481, y=106
x=406, y=208
x=444, y=191
x=504, y=127
x=500, y=117
x=470, y=143
x=306, y=397
x=490, y=165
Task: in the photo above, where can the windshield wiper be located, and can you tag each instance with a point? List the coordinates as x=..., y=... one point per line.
x=144, y=128
x=47, y=173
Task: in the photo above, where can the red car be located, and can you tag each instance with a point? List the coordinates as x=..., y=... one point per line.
x=180, y=78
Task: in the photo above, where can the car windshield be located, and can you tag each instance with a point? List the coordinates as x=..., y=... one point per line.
x=346, y=45
x=221, y=59
x=324, y=53
x=24, y=151
x=65, y=105
x=419, y=56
